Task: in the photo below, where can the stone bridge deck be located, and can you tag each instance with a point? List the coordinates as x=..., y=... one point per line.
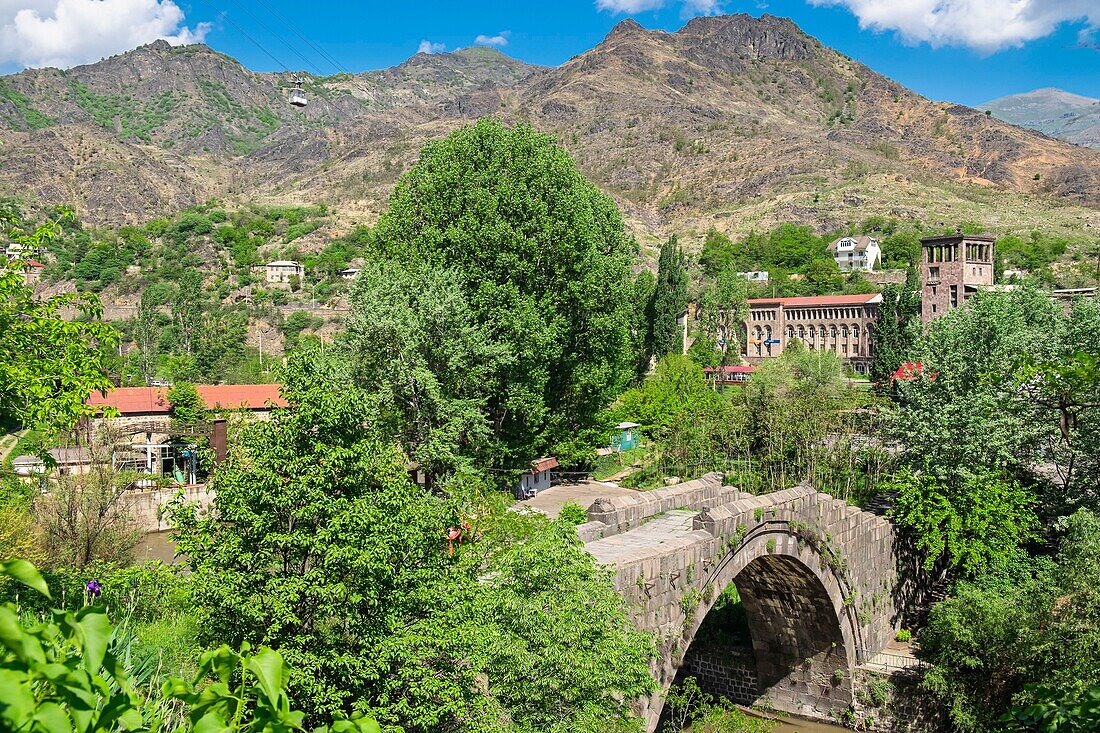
x=817, y=579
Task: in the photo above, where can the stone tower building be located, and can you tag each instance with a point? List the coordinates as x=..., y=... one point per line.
x=952, y=269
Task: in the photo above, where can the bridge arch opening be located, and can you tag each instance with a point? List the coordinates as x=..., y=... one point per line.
x=774, y=633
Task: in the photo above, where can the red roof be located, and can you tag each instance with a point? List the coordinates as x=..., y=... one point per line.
x=134, y=400
x=910, y=370
x=250, y=396
x=819, y=300
x=730, y=370
x=154, y=400
x=544, y=464
x=33, y=263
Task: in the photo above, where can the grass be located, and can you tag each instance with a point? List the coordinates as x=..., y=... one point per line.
x=610, y=465
x=32, y=118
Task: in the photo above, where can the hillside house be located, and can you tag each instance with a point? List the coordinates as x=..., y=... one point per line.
x=32, y=271
x=281, y=271
x=755, y=276
x=349, y=273
x=626, y=437
x=856, y=254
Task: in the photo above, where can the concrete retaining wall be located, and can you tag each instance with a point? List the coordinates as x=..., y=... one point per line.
x=147, y=507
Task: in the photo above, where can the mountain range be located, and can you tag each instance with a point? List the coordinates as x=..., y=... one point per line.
x=732, y=122
x=1053, y=112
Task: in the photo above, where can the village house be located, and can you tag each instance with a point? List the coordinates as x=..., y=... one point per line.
x=281, y=271
x=754, y=276
x=32, y=271
x=349, y=273
x=536, y=479
x=856, y=254
x=842, y=324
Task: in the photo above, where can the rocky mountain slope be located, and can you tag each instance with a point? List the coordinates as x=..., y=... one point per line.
x=732, y=122
x=1053, y=112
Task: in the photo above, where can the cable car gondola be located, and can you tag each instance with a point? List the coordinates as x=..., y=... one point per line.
x=297, y=96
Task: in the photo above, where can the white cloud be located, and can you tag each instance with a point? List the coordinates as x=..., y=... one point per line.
x=984, y=25
x=499, y=40
x=689, y=7
x=429, y=47
x=65, y=33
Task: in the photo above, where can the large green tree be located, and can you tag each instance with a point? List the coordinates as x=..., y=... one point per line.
x=896, y=331
x=543, y=260
x=1029, y=624
x=415, y=340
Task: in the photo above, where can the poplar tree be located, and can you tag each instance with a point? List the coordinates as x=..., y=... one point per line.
x=669, y=300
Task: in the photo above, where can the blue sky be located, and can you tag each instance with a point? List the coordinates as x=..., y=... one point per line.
x=960, y=50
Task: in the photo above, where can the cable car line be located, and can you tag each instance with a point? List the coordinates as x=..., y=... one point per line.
x=225, y=16
x=275, y=35
x=281, y=18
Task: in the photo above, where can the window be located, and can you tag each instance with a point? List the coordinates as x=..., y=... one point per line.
x=933, y=274
x=954, y=296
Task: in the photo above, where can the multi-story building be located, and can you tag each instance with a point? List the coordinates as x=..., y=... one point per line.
x=953, y=268
x=856, y=254
x=281, y=271
x=842, y=324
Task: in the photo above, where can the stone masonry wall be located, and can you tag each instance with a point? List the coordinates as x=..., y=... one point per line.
x=147, y=507
x=723, y=671
x=608, y=517
x=820, y=587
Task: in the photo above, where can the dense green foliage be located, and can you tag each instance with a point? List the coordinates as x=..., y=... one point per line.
x=321, y=547
x=542, y=259
x=1030, y=624
x=896, y=331
x=50, y=363
x=72, y=672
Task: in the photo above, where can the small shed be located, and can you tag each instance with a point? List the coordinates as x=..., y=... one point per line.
x=626, y=436
x=537, y=478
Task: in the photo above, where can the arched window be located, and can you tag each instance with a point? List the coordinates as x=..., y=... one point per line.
x=790, y=332
x=844, y=332
x=801, y=334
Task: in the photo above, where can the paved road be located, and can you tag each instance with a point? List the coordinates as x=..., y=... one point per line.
x=551, y=501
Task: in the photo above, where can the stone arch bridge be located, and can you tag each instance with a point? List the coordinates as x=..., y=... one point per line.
x=817, y=578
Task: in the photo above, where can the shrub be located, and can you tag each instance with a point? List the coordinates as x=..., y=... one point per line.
x=904, y=635
x=573, y=513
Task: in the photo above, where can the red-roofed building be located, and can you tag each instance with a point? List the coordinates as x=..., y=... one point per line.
x=842, y=324
x=727, y=375
x=32, y=271
x=149, y=401
x=144, y=437
x=908, y=371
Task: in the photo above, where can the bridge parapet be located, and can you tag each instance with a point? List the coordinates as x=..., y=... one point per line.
x=608, y=517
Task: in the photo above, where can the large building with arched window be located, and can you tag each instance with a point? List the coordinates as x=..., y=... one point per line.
x=842, y=324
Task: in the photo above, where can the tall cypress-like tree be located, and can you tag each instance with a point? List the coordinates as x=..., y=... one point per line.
x=670, y=298
x=893, y=337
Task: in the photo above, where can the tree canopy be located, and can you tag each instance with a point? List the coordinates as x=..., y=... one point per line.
x=541, y=259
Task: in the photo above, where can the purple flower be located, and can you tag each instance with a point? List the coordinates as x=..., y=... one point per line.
x=93, y=588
